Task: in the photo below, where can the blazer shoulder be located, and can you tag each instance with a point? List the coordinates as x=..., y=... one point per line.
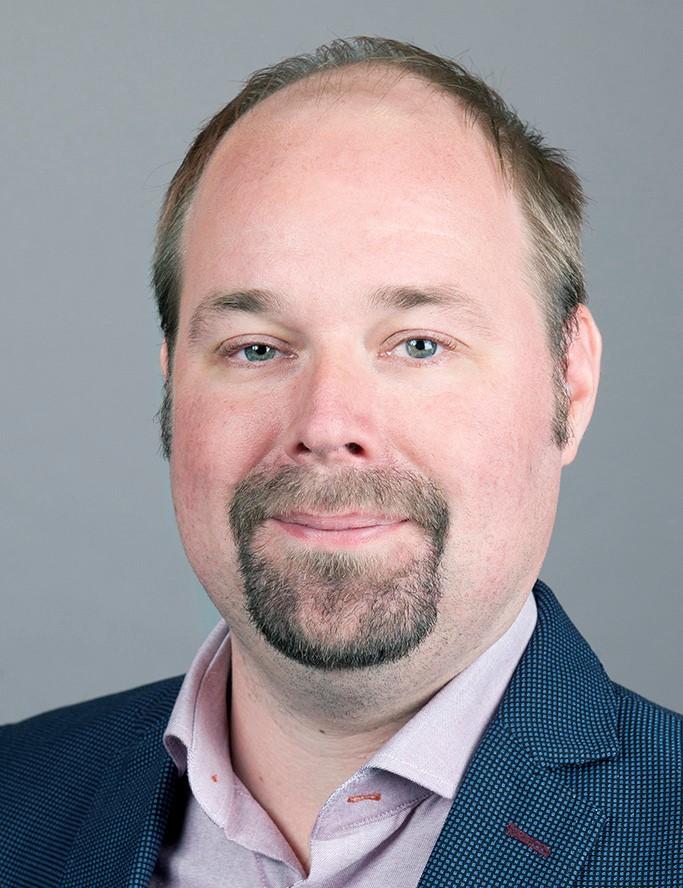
x=651, y=743
x=640, y=716
x=52, y=766
x=115, y=716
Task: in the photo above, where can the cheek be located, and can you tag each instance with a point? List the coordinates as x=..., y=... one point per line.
x=215, y=442
x=501, y=476
x=489, y=442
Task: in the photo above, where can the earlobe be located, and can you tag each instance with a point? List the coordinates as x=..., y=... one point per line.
x=583, y=375
x=163, y=359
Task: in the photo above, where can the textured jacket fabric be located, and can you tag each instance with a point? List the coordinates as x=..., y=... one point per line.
x=576, y=782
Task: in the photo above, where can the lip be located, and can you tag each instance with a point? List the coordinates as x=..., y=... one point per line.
x=349, y=521
x=342, y=535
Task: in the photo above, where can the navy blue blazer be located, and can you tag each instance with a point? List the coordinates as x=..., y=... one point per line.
x=576, y=782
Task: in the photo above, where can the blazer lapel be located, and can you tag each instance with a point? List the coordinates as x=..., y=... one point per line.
x=515, y=821
x=121, y=833
x=511, y=824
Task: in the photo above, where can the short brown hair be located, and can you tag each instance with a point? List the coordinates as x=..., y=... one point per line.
x=549, y=191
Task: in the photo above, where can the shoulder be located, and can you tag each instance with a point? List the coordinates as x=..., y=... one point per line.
x=640, y=787
x=647, y=731
x=112, y=709
x=43, y=746
x=640, y=793
x=53, y=765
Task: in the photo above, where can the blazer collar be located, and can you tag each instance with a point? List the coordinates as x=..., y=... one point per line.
x=560, y=703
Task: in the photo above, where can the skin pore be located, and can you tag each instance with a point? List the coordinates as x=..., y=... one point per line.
x=332, y=401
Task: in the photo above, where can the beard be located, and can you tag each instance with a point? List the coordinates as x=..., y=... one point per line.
x=339, y=609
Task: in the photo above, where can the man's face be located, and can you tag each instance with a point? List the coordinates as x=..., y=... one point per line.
x=340, y=399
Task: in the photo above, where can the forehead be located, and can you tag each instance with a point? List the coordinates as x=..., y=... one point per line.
x=353, y=177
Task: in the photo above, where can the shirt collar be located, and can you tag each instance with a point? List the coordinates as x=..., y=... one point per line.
x=449, y=725
x=452, y=722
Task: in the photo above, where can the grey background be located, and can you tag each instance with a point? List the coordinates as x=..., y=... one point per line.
x=100, y=102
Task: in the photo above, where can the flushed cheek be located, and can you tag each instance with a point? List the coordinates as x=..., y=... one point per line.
x=215, y=444
x=459, y=429
x=509, y=490
x=508, y=463
x=487, y=443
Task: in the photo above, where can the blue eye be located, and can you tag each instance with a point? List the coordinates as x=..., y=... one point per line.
x=259, y=351
x=426, y=346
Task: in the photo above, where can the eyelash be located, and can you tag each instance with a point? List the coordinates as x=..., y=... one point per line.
x=228, y=351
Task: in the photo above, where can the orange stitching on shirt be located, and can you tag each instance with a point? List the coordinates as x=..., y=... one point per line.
x=368, y=796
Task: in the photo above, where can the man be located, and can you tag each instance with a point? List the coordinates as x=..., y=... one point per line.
x=377, y=360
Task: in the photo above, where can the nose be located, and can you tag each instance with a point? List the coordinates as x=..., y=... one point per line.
x=335, y=416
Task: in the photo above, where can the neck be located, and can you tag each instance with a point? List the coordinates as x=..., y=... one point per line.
x=293, y=750
x=297, y=734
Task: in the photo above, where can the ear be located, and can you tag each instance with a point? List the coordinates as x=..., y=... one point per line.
x=583, y=375
x=163, y=359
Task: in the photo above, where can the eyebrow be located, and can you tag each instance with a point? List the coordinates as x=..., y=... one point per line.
x=264, y=302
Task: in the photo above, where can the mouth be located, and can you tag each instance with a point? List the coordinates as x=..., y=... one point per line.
x=338, y=529
x=352, y=520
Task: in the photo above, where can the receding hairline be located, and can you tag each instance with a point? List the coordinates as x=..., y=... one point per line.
x=338, y=84
x=374, y=78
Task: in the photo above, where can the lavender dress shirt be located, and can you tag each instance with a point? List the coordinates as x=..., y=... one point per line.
x=377, y=828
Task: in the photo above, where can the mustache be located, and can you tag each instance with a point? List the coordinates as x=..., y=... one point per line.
x=388, y=490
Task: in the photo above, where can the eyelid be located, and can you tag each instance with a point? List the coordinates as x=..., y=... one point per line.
x=228, y=349
x=441, y=338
